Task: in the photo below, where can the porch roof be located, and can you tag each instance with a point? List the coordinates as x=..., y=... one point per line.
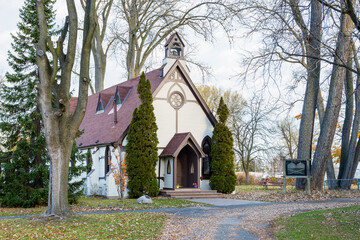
x=178, y=142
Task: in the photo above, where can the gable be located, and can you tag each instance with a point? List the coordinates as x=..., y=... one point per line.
x=179, y=108
x=177, y=80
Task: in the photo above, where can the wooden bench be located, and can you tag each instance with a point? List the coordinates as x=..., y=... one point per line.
x=267, y=182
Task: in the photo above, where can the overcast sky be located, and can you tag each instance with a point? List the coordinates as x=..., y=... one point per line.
x=223, y=59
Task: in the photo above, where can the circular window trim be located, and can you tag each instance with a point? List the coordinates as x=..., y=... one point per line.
x=182, y=99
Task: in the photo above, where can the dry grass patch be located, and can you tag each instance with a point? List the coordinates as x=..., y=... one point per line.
x=90, y=204
x=99, y=226
x=292, y=195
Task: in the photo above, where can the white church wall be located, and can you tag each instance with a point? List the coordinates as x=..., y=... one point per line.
x=110, y=180
x=165, y=120
x=187, y=92
x=193, y=119
x=163, y=92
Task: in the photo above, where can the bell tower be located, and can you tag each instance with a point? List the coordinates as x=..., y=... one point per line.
x=174, y=50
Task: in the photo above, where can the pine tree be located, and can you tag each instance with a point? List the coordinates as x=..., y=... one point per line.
x=25, y=174
x=223, y=177
x=142, y=152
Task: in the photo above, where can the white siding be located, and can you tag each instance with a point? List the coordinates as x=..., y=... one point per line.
x=165, y=120
x=193, y=119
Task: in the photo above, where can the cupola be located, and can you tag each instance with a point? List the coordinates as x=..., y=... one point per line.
x=174, y=50
x=174, y=47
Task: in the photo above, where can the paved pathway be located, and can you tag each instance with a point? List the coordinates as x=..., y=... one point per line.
x=227, y=219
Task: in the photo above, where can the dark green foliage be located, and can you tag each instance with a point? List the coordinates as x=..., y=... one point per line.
x=78, y=166
x=223, y=178
x=24, y=170
x=142, y=152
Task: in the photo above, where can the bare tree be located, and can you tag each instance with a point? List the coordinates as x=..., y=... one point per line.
x=149, y=22
x=251, y=133
x=328, y=127
x=103, y=9
x=289, y=134
x=60, y=126
x=212, y=94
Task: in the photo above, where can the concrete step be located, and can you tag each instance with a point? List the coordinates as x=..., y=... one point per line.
x=190, y=193
x=197, y=197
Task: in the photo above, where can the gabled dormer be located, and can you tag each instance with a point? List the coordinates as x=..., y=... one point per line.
x=100, y=106
x=121, y=93
x=174, y=50
x=117, y=97
x=103, y=102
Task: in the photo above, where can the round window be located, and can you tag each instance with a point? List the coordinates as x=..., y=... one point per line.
x=176, y=100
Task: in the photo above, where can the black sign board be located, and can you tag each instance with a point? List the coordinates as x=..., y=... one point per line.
x=296, y=168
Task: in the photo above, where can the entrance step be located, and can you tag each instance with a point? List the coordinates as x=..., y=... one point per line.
x=190, y=193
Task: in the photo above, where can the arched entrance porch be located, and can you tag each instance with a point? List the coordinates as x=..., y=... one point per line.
x=187, y=168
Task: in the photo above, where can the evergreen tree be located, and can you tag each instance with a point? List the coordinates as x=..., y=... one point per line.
x=142, y=152
x=24, y=170
x=223, y=177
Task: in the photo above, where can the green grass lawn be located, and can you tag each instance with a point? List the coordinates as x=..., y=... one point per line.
x=97, y=204
x=102, y=226
x=340, y=223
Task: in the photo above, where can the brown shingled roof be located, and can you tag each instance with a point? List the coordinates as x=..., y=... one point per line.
x=177, y=143
x=171, y=37
x=100, y=128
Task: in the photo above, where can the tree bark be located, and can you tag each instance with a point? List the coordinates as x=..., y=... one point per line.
x=312, y=40
x=348, y=170
x=349, y=108
x=100, y=64
x=330, y=172
x=323, y=148
x=60, y=126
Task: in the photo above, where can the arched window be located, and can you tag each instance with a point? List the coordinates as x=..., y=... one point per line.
x=88, y=161
x=206, y=146
x=168, y=171
x=175, y=49
x=107, y=159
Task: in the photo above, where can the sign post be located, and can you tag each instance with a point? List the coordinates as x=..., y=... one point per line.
x=296, y=168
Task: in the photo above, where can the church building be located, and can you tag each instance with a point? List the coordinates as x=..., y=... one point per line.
x=184, y=121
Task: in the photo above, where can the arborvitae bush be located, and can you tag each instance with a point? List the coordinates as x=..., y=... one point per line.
x=223, y=178
x=142, y=152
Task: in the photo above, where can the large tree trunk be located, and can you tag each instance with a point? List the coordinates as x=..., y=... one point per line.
x=330, y=172
x=348, y=170
x=323, y=148
x=312, y=40
x=60, y=126
x=58, y=183
x=349, y=108
x=100, y=64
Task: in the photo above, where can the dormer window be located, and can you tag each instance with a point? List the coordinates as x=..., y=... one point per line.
x=100, y=106
x=117, y=99
x=176, y=49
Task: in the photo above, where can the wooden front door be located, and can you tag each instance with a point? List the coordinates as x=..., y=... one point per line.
x=187, y=168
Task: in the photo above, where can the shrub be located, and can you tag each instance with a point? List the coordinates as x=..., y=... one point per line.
x=142, y=152
x=223, y=177
x=240, y=179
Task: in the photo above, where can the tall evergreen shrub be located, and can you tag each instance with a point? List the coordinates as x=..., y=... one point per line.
x=223, y=178
x=142, y=152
